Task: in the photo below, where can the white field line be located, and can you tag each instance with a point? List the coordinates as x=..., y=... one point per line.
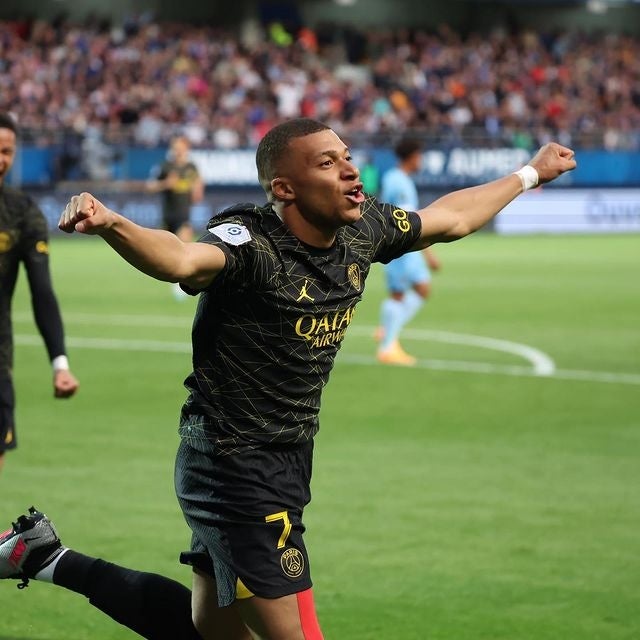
x=120, y=320
x=542, y=364
x=111, y=344
x=507, y=370
x=161, y=346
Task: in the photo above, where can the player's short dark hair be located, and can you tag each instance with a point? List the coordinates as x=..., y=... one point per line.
x=275, y=143
x=406, y=147
x=7, y=122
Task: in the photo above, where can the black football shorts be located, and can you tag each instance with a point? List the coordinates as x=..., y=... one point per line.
x=173, y=220
x=245, y=513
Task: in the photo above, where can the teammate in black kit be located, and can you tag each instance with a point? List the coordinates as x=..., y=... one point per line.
x=278, y=286
x=180, y=184
x=24, y=239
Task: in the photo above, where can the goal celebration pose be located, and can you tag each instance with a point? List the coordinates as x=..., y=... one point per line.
x=277, y=285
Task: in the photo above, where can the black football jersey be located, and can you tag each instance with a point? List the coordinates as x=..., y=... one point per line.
x=23, y=238
x=267, y=330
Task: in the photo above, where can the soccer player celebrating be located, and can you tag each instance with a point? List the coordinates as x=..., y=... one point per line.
x=278, y=285
x=24, y=239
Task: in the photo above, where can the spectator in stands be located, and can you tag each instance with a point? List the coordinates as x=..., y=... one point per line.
x=567, y=86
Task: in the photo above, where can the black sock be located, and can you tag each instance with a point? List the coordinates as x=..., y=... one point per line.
x=72, y=571
x=153, y=606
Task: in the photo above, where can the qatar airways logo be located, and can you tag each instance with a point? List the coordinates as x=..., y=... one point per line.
x=326, y=330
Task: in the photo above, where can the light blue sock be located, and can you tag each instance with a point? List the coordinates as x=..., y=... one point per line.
x=411, y=302
x=391, y=314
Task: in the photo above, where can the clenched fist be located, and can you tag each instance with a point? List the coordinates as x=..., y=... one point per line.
x=65, y=384
x=85, y=214
x=551, y=161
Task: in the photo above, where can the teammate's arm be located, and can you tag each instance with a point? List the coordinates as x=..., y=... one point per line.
x=462, y=212
x=46, y=313
x=158, y=253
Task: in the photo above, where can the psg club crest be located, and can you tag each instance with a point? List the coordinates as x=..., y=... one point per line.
x=292, y=562
x=353, y=272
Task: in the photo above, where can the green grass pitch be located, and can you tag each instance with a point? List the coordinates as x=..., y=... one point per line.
x=465, y=499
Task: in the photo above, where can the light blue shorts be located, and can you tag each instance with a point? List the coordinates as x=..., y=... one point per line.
x=406, y=271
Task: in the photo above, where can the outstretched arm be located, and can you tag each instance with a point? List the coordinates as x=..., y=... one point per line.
x=49, y=321
x=462, y=212
x=158, y=253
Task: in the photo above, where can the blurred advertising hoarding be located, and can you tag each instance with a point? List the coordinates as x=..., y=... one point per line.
x=547, y=210
x=542, y=210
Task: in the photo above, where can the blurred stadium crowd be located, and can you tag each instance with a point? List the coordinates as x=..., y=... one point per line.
x=141, y=81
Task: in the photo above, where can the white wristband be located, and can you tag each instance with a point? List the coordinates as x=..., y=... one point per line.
x=528, y=176
x=60, y=363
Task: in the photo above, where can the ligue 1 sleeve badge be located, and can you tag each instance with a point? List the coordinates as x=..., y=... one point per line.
x=231, y=233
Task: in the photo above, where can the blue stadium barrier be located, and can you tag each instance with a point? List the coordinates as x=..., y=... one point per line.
x=450, y=168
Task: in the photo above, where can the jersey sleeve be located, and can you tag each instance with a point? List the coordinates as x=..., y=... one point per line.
x=193, y=170
x=393, y=230
x=35, y=255
x=236, y=241
x=34, y=240
x=240, y=243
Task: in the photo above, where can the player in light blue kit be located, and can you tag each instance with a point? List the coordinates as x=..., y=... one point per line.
x=408, y=277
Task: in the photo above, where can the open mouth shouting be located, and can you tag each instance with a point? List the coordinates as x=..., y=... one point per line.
x=356, y=195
